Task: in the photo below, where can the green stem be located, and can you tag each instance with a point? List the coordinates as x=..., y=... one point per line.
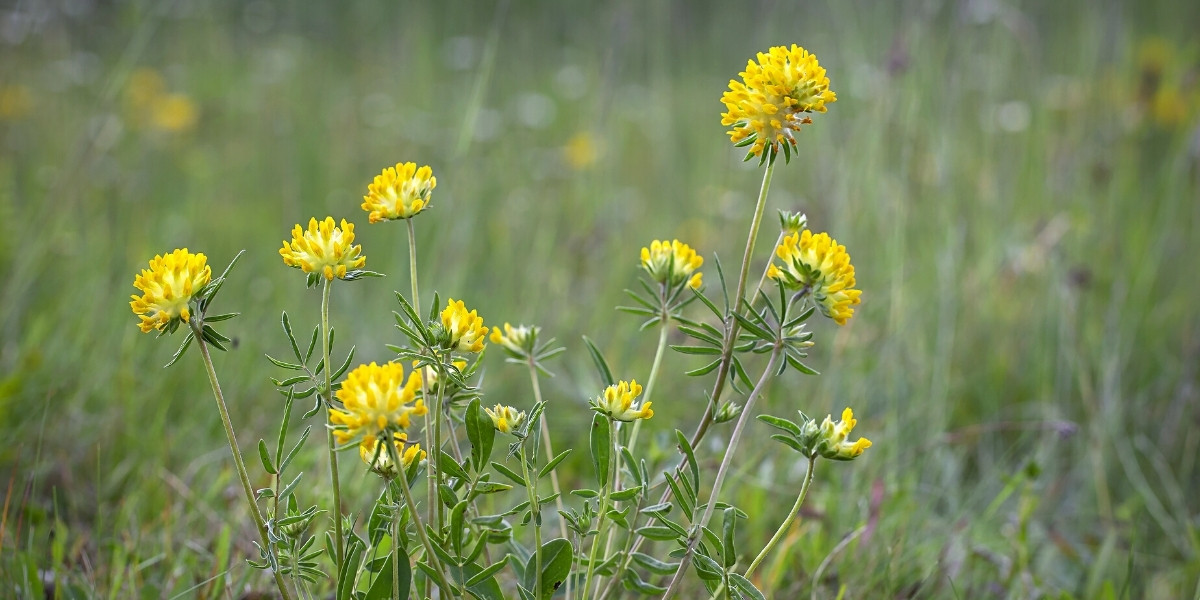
x=435, y=467
x=431, y=480
x=339, y=536
x=663, y=330
x=537, y=398
x=730, y=450
x=763, y=278
x=231, y=437
x=432, y=561
x=397, y=464
x=535, y=508
x=787, y=523
x=600, y=517
x=412, y=266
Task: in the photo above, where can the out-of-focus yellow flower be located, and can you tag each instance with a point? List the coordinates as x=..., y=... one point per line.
x=505, y=418
x=822, y=266
x=399, y=192
x=581, y=151
x=379, y=460
x=174, y=113
x=519, y=341
x=464, y=330
x=774, y=98
x=16, y=101
x=144, y=88
x=323, y=248
x=167, y=287
x=832, y=442
x=617, y=402
x=672, y=263
x=375, y=398
x=1169, y=109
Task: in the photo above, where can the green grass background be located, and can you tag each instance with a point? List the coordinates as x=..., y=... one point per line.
x=1023, y=228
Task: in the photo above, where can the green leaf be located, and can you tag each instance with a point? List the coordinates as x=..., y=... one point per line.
x=487, y=587
x=265, y=457
x=601, y=445
x=654, y=565
x=754, y=328
x=686, y=448
x=632, y=582
x=557, y=556
x=658, y=533
x=695, y=349
x=705, y=370
x=553, y=463
x=626, y=494
x=601, y=365
x=780, y=423
x=488, y=571
x=481, y=432
x=187, y=341
x=707, y=568
x=354, y=550
x=447, y=464
x=728, y=547
x=745, y=586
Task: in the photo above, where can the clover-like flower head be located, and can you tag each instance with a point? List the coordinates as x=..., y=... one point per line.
x=774, y=98
x=379, y=460
x=323, y=248
x=832, y=442
x=464, y=329
x=672, y=263
x=822, y=266
x=376, y=398
x=505, y=418
x=167, y=287
x=399, y=192
x=519, y=341
x=617, y=402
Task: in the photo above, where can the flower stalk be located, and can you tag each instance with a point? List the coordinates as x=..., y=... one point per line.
x=787, y=523
x=338, y=534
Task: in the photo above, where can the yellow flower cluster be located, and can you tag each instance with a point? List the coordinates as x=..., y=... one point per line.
x=464, y=330
x=379, y=460
x=519, y=340
x=431, y=375
x=672, y=263
x=774, y=98
x=399, y=192
x=375, y=398
x=822, y=266
x=323, y=248
x=617, y=402
x=150, y=103
x=167, y=287
x=833, y=443
x=505, y=418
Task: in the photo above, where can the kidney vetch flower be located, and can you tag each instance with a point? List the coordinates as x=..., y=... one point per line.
x=505, y=418
x=774, y=99
x=323, y=248
x=832, y=443
x=399, y=192
x=822, y=266
x=672, y=263
x=464, y=330
x=617, y=402
x=167, y=287
x=375, y=398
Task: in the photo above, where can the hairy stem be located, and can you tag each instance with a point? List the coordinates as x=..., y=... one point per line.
x=432, y=559
x=331, y=444
x=537, y=398
x=231, y=437
x=536, y=509
x=600, y=518
x=787, y=523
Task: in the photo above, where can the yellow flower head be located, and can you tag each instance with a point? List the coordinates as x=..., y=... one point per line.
x=833, y=443
x=379, y=460
x=464, y=330
x=505, y=418
x=323, y=248
x=375, y=398
x=822, y=266
x=672, y=263
x=774, y=98
x=518, y=341
x=617, y=402
x=399, y=192
x=174, y=113
x=167, y=287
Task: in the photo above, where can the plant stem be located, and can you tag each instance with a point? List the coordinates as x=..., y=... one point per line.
x=724, y=470
x=600, y=524
x=763, y=279
x=730, y=337
x=787, y=523
x=663, y=330
x=394, y=456
x=431, y=480
x=339, y=539
x=537, y=398
x=231, y=437
x=412, y=266
x=433, y=561
x=536, y=509
x=434, y=465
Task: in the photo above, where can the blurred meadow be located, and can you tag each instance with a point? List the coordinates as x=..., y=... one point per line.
x=1018, y=184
